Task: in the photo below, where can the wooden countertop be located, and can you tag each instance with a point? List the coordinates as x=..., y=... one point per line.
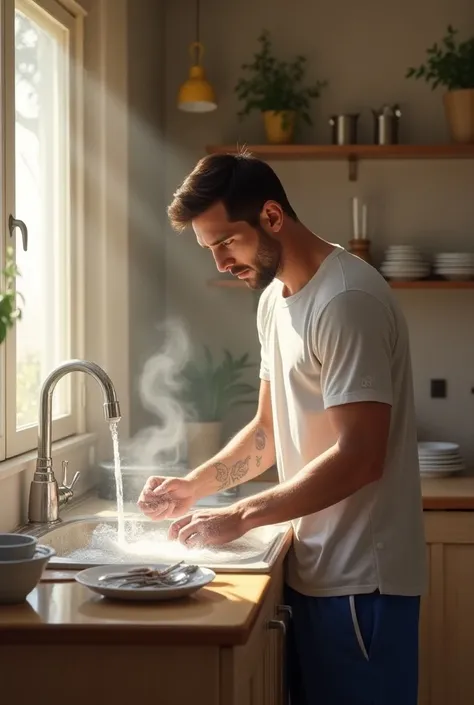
x=61, y=611
x=451, y=493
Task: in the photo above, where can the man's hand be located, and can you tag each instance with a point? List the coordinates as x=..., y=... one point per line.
x=166, y=497
x=212, y=527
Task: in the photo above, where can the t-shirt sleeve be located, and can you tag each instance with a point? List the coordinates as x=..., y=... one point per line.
x=353, y=343
x=263, y=339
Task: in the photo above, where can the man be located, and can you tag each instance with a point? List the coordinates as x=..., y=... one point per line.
x=336, y=414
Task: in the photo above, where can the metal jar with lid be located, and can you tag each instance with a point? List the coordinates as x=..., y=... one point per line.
x=386, y=124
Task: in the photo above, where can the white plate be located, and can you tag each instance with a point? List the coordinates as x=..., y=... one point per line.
x=453, y=270
x=402, y=267
x=440, y=458
x=415, y=259
x=437, y=447
x=438, y=473
x=405, y=276
x=90, y=578
x=435, y=466
x=447, y=464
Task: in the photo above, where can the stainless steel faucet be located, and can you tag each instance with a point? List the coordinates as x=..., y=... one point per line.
x=46, y=496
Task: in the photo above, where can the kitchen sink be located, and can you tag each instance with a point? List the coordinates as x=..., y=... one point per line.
x=82, y=542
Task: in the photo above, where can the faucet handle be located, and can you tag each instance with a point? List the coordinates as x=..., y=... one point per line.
x=74, y=479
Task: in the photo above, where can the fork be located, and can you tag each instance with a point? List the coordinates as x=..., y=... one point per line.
x=180, y=578
x=144, y=571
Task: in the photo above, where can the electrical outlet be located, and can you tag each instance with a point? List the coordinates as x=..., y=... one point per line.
x=438, y=389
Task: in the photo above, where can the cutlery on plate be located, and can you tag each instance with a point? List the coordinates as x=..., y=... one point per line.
x=141, y=571
x=173, y=580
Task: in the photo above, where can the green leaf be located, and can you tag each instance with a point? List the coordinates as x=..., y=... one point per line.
x=274, y=84
x=210, y=389
x=448, y=64
x=9, y=310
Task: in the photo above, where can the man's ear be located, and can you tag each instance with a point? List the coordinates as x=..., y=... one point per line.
x=271, y=217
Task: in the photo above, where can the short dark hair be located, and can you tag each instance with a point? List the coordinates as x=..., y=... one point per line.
x=240, y=181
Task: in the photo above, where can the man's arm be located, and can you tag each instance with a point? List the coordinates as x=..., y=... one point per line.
x=355, y=460
x=353, y=339
x=247, y=455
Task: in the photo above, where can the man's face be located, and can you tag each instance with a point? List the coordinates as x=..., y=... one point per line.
x=249, y=253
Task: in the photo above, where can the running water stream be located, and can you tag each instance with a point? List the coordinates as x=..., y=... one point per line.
x=118, y=485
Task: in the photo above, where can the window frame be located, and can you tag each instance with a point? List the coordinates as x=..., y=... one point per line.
x=70, y=15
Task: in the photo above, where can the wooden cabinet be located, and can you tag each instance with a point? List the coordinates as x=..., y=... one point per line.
x=447, y=616
x=128, y=654
x=254, y=673
x=168, y=674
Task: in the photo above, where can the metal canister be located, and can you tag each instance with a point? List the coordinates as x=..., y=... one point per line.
x=386, y=124
x=344, y=128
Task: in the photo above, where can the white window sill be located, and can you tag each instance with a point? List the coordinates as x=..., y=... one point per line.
x=24, y=462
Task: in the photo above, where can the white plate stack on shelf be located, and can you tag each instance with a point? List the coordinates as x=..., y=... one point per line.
x=404, y=262
x=457, y=266
x=440, y=459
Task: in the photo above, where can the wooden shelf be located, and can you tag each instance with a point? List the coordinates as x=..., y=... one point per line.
x=353, y=153
x=420, y=284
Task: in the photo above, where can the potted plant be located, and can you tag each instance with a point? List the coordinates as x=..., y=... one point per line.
x=209, y=390
x=452, y=65
x=275, y=89
x=9, y=312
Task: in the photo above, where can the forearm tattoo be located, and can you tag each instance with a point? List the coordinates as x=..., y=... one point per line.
x=260, y=439
x=227, y=475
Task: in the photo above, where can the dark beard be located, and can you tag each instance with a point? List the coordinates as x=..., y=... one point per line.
x=267, y=260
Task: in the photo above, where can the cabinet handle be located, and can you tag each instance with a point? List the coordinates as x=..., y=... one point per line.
x=281, y=626
x=15, y=223
x=285, y=609
x=277, y=624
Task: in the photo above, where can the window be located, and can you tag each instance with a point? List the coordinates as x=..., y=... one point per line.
x=41, y=190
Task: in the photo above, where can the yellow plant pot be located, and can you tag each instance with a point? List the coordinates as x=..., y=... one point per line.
x=279, y=126
x=459, y=111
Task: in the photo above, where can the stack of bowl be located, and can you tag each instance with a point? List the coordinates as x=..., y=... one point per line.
x=22, y=561
x=404, y=262
x=454, y=265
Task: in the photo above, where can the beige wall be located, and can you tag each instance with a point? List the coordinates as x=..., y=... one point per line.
x=363, y=50
x=145, y=27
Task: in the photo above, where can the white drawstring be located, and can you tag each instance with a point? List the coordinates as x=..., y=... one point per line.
x=355, y=622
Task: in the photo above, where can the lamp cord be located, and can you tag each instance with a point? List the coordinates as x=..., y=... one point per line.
x=197, y=20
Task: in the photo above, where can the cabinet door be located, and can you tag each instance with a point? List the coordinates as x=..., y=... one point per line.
x=448, y=629
x=425, y=643
x=254, y=673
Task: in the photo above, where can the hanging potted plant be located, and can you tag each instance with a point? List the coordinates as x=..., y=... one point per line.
x=275, y=88
x=452, y=65
x=9, y=311
x=209, y=391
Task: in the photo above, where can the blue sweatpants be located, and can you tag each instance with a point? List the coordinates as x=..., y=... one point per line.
x=359, y=650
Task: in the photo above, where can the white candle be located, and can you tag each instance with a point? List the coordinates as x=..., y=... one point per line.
x=355, y=217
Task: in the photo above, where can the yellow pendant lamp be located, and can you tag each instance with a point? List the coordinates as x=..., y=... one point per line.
x=196, y=95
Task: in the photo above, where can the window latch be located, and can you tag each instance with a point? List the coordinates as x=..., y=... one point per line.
x=14, y=223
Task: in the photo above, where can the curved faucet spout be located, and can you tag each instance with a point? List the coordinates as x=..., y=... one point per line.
x=46, y=496
x=111, y=404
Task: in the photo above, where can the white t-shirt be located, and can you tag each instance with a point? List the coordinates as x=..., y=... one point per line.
x=343, y=338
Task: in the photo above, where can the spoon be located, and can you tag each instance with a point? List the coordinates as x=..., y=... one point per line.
x=175, y=580
x=141, y=571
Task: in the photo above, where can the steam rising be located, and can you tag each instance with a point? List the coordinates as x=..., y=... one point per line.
x=160, y=384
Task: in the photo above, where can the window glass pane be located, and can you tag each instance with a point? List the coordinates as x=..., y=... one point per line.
x=42, y=202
